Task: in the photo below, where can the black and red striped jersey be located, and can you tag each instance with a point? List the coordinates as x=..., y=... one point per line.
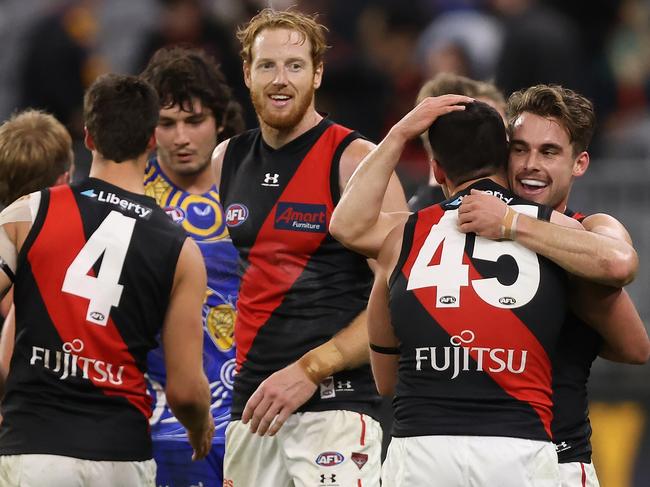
x=477, y=321
x=91, y=291
x=578, y=347
x=299, y=286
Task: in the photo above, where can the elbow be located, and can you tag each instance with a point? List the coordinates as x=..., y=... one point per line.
x=642, y=355
x=621, y=270
x=386, y=389
x=187, y=396
x=344, y=233
x=636, y=355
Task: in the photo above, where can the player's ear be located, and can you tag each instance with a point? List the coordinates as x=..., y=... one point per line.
x=151, y=145
x=247, y=74
x=580, y=164
x=88, y=140
x=438, y=172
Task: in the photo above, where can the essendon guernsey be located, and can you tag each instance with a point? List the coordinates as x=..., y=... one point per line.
x=477, y=321
x=91, y=291
x=299, y=286
x=577, y=349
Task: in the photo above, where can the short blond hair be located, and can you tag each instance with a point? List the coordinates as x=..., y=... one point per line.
x=35, y=149
x=305, y=25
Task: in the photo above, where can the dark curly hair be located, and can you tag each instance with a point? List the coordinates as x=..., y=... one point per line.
x=179, y=74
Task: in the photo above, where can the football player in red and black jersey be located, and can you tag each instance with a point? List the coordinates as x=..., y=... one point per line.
x=550, y=130
x=91, y=294
x=300, y=334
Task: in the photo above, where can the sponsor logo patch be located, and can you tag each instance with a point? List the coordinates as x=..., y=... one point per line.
x=176, y=214
x=271, y=180
x=115, y=200
x=236, y=214
x=327, y=388
x=359, y=459
x=301, y=217
x=330, y=459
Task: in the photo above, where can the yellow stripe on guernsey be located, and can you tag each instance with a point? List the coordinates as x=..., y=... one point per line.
x=200, y=214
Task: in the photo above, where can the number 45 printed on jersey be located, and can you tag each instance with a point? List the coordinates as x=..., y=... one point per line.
x=451, y=274
x=112, y=239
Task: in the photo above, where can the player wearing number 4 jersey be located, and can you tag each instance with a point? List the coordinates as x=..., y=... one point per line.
x=91, y=294
x=469, y=318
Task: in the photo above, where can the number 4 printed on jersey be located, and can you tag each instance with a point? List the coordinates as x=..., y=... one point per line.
x=111, y=239
x=451, y=274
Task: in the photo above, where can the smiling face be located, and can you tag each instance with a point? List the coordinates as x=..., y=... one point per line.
x=186, y=139
x=542, y=163
x=281, y=77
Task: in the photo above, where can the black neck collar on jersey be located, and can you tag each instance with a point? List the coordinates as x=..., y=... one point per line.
x=485, y=184
x=101, y=184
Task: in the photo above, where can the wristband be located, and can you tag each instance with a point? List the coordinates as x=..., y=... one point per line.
x=321, y=362
x=509, y=224
x=385, y=350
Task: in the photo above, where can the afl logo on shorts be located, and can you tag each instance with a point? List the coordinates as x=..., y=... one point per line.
x=236, y=214
x=329, y=459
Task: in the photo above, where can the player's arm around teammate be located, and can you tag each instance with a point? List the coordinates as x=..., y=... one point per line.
x=604, y=254
x=359, y=221
x=187, y=391
x=602, y=257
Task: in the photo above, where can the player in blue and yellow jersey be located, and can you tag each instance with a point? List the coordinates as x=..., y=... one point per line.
x=197, y=110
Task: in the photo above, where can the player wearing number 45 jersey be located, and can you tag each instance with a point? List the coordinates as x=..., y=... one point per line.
x=91, y=294
x=473, y=322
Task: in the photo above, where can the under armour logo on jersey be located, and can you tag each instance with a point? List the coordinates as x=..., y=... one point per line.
x=272, y=180
x=344, y=384
x=559, y=447
x=327, y=478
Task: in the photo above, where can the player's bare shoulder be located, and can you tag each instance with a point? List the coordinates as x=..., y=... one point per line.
x=351, y=157
x=218, y=155
x=606, y=225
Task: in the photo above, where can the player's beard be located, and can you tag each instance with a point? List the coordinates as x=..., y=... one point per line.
x=283, y=120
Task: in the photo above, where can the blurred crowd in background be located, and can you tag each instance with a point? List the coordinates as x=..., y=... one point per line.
x=381, y=52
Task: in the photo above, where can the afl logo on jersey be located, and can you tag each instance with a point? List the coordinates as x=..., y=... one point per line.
x=447, y=300
x=176, y=214
x=236, y=214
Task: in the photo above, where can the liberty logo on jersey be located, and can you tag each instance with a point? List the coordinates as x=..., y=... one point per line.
x=301, y=217
x=67, y=363
x=236, y=214
x=113, y=199
x=493, y=360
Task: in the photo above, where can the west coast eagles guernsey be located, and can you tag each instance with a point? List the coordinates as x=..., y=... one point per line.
x=202, y=218
x=299, y=285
